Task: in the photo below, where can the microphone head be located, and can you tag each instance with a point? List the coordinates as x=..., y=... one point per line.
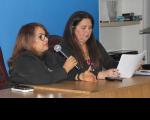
x=57, y=48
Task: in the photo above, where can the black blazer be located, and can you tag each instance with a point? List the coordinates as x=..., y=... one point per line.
x=31, y=69
x=107, y=61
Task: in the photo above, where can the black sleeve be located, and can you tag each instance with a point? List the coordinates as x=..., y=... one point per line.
x=107, y=61
x=30, y=70
x=54, y=60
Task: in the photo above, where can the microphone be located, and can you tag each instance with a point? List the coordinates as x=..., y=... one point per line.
x=58, y=48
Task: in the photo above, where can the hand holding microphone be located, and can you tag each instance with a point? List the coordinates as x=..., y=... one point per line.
x=70, y=62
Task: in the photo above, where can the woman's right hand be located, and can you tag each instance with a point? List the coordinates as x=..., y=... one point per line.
x=87, y=76
x=108, y=73
x=70, y=63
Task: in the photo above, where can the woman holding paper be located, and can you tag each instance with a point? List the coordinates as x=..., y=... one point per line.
x=79, y=41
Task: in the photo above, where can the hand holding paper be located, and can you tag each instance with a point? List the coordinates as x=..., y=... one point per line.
x=129, y=63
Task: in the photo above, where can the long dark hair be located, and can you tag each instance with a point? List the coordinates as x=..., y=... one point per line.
x=24, y=41
x=69, y=39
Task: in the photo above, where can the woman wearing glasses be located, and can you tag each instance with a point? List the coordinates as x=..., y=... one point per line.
x=31, y=63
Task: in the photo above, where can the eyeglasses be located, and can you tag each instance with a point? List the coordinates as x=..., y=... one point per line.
x=43, y=37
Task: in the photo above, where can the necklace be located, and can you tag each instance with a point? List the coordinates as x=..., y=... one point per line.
x=85, y=52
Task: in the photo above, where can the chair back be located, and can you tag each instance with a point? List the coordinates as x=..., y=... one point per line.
x=53, y=40
x=3, y=72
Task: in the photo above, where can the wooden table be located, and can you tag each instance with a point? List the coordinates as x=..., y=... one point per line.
x=136, y=87
x=7, y=93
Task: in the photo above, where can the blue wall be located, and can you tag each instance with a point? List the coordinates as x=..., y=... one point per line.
x=52, y=13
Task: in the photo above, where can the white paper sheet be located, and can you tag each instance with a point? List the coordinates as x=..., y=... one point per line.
x=129, y=63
